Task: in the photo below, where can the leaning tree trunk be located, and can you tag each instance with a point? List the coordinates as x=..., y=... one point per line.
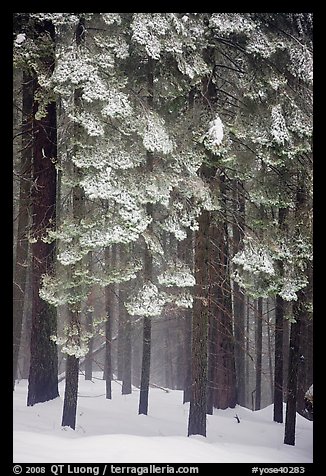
x=43, y=374
x=21, y=261
x=198, y=401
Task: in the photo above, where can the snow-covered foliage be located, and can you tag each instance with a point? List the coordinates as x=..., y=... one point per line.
x=309, y=395
x=148, y=302
x=177, y=274
x=112, y=119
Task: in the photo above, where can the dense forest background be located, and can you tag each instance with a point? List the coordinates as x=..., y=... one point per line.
x=162, y=178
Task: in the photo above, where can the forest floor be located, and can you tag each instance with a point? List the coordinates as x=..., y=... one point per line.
x=111, y=431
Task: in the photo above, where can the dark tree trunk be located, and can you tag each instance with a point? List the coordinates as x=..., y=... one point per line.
x=247, y=340
x=305, y=371
x=294, y=358
x=121, y=341
x=148, y=270
x=239, y=299
x=125, y=319
x=259, y=342
x=286, y=347
x=146, y=364
x=278, y=364
x=72, y=363
x=198, y=401
x=111, y=312
x=212, y=339
x=88, y=362
x=270, y=351
x=187, y=358
x=71, y=392
x=300, y=313
x=89, y=355
x=21, y=263
x=43, y=375
x=221, y=307
x=185, y=253
x=279, y=319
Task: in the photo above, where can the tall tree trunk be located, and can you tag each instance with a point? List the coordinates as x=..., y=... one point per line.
x=148, y=269
x=89, y=356
x=259, y=342
x=294, y=357
x=278, y=364
x=300, y=312
x=269, y=344
x=21, y=258
x=221, y=307
x=247, y=340
x=145, y=367
x=72, y=363
x=279, y=318
x=198, y=401
x=125, y=319
x=108, y=328
x=43, y=374
x=88, y=362
x=185, y=254
x=239, y=299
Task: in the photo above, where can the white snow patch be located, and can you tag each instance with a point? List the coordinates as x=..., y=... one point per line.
x=112, y=431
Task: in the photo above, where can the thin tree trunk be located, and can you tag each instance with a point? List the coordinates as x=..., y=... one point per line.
x=108, y=329
x=269, y=342
x=239, y=301
x=259, y=342
x=148, y=271
x=211, y=361
x=279, y=318
x=146, y=364
x=294, y=356
x=89, y=355
x=198, y=401
x=21, y=258
x=278, y=365
x=124, y=317
x=72, y=363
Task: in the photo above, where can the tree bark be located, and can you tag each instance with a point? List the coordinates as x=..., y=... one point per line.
x=71, y=392
x=278, y=364
x=148, y=270
x=72, y=363
x=259, y=342
x=279, y=319
x=239, y=300
x=43, y=374
x=108, y=329
x=294, y=357
x=89, y=355
x=21, y=258
x=198, y=401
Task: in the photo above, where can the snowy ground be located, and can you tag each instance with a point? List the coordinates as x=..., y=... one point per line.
x=111, y=431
